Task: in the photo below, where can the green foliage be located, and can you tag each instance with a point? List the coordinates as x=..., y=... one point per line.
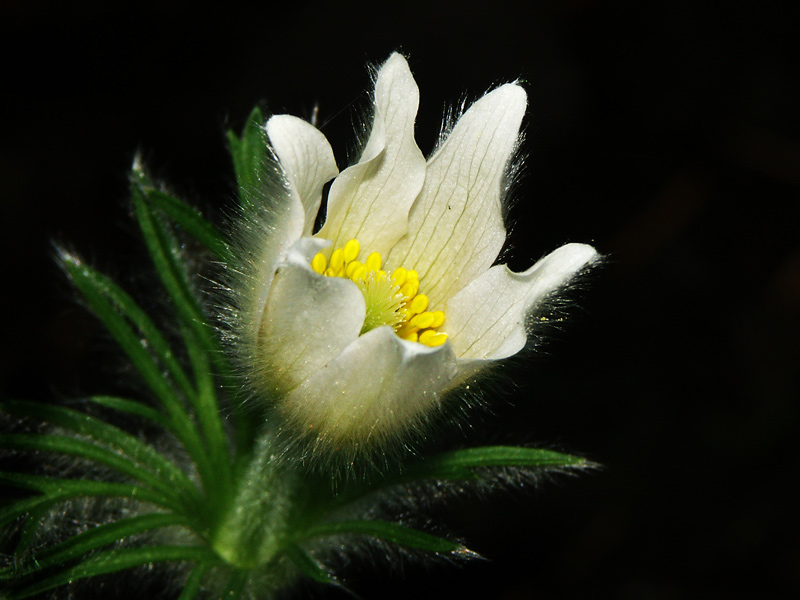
x=249, y=152
x=200, y=480
x=388, y=532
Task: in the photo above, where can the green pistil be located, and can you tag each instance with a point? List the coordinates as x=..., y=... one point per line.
x=384, y=301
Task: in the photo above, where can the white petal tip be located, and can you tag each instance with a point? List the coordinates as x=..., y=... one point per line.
x=395, y=61
x=510, y=97
x=570, y=258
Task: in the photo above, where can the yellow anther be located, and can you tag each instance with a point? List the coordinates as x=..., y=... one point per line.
x=381, y=274
x=373, y=262
x=318, y=263
x=426, y=336
x=411, y=337
x=438, y=319
x=351, y=250
x=439, y=339
x=329, y=272
x=351, y=268
x=417, y=305
x=337, y=259
x=359, y=273
x=399, y=276
x=410, y=289
x=412, y=274
x=431, y=338
x=423, y=320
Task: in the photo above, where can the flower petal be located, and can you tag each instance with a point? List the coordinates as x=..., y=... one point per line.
x=486, y=320
x=456, y=225
x=271, y=221
x=308, y=320
x=378, y=388
x=370, y=200
x=307, y=161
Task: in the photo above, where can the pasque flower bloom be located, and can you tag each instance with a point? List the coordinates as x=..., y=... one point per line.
x=354, y=334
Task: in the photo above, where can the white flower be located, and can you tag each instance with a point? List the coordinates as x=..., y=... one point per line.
x=327, y=321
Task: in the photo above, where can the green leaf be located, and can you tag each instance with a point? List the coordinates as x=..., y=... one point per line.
x=88, y=279
x=109, y=435
x=214, y=467
x=167, y=256
x=112, y=561
x=69, y=489
x=191, y=221
x=202, y=344
x=54, y=487
x=91, y=451
x=207, y=408
x=134, y=407
x=97, y=297
x=249, y=152
x=306, y=564
x=459, y=464
x=37, y=505
x=192, y=586
x=384, y=530
x=100, y=536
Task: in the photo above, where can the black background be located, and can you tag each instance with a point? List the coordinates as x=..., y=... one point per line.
x=665, y=133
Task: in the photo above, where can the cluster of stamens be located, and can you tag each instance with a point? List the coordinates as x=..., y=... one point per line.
x=392, y=298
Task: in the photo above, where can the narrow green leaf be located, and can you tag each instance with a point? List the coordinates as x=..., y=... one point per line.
x=249, y=152
x=55, y=487
x=306, y=564
x=86, y=277
x=207, y=410
x=112, y=561
x=74, y=447
x=33, y=505
x=134, y=407
x=138, y=354
x=457, y=463
x=107, y=434
x=192, y=586
x=167, y=254
x=384, y=530
x=168, y=261
x=191, y=221
x=100, y=536
x=199, y=339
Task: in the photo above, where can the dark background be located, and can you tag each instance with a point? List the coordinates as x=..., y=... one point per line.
x=666, y=133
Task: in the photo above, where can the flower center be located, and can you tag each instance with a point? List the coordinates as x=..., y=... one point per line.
x=392, y=298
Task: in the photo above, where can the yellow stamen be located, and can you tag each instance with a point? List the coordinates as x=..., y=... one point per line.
x=337, y=259
x=410, y=289
x=351, y=268
x=319, y=263
x=359, y=273
x=399, y=276
x=438, y=319
x=373, y=262
x=430, y=338
x=351, y=250
x=417, y=305
x=423, y=321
